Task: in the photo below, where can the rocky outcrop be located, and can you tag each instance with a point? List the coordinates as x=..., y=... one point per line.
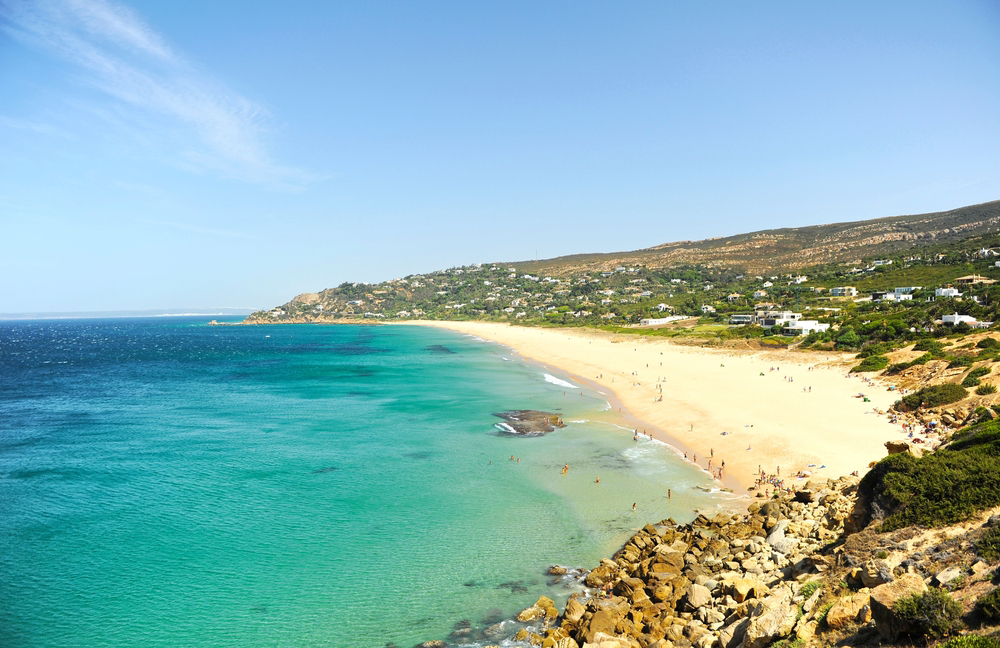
x=727, y=581
x=889, y=625
x=528, y=422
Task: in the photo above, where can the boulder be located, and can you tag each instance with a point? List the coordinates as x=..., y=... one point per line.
x=947, y=575
x=855, y=608
x=897, y=447
x=566, y=642
x=574, y=610
x=884, y=596
x=603, y=622
x=875, y=573
x=742, y=589
x=732, y=635
x=599, y=576
x=776, y=620
x=696, y=597
x=605, y=640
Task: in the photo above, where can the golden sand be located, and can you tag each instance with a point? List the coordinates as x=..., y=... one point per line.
x=782, y=411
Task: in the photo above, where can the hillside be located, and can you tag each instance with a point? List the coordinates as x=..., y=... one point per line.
x=777, y=250
x=715, y=276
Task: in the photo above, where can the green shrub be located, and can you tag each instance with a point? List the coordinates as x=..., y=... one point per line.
x=847, y=339
x=875, y=349
x=970, y=381
x=988, y=343
x=942, y=487
x=872, y=363
x=809, y=589
x=988, y=546
x=986, y=389
x=900, y=366
x=961, y=361
x=934, y=395
x=934, y=613
x=971, y=641
x=979, y=372
x=882, y=554
x=929, y=344
x=989, y=605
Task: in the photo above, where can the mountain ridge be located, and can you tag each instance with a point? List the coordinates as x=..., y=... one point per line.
x=793, y=247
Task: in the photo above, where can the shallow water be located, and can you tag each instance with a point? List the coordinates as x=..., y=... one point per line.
x=167, y=483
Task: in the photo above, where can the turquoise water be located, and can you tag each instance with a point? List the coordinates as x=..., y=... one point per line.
x=166, y=483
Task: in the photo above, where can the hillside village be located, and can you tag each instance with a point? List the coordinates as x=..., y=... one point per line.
x=905, y=297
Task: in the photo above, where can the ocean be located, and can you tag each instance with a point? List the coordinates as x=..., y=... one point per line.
x=168, y=483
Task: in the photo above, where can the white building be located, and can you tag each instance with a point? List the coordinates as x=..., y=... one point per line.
x=804, y=327
x=777, y=318
x=705, y=308
x=759, y=294
x=736, y=320
x=947, y=292
x=844, y=291
x=958, y=319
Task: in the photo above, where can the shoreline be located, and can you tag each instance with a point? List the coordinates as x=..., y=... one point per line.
x=769, y=420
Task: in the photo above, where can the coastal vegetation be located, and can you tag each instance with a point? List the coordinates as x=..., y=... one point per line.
x=943, y=487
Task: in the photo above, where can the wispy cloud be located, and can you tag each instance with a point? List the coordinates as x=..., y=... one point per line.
x=119, y=54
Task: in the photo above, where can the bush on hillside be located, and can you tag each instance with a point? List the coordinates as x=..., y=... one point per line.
x=943, y=487
x=933, y=396
x=848, y=339
x=961, y=361
x=929, y=344
x=970, y=381
x=988, y=546
x=986, y=389
x=931, y=614
x=900, y=366
x=979, y=372
x=989, y=606
x=872, y=363
x=875, y=349
x=988, y=343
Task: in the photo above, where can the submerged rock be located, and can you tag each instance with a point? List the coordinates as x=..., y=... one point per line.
x=528, y=422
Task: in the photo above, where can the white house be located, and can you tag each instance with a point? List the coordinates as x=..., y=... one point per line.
x=958, y=319
x=777, y=318
x=705, y=308
x=759, y=294
x=733, y=297
x=844, y=291
x=663, y=307
x=804, y=327
x=736, y=320
x=654, y=321
x=947, y=292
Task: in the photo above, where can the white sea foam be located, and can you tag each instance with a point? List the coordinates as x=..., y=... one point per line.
x=549, y=378
x=503, y=427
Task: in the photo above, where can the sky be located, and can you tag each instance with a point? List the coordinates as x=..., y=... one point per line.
x=234, y=154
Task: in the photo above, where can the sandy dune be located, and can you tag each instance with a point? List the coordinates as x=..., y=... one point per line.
x=804, y=411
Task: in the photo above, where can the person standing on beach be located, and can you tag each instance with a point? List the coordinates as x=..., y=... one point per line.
x=633, y=507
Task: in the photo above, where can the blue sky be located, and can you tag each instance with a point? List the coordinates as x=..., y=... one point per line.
x=233, y=154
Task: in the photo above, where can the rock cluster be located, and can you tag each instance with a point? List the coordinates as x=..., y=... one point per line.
x=725, y=581
x=528, y=422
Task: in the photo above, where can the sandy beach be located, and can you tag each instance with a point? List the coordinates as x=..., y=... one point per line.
x=780, y=412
